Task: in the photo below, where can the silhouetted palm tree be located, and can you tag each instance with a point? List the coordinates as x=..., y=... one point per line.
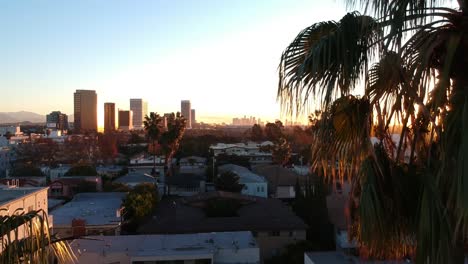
x=153, y=129
x=409, y=193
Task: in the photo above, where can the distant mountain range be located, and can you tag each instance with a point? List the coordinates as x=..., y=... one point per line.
x=23, y=116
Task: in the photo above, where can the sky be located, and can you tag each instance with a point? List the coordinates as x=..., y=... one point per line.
x=222, y=55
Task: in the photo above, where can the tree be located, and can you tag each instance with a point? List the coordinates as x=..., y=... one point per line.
x=82, y=170
x=139, y=203
x=21, y=170
x=256, y=133
x=153, y=128
x=281, y=151
x=228, y=181
x=170, y=139
x=37, y=245
x=108, y=146
x=273, y=131
x=410, y=194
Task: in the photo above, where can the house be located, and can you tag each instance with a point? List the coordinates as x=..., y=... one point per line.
x=281, y=181
x=90, y=214
x=192, y=164
x=109, y=171
x=271, y=222
x=134, y=178
x=337, y=213
x=68, y=186
x=203, y=248
x=15, y=199
x=186, y=184
x=257, y=153
x=58, y=172
x=254, y=184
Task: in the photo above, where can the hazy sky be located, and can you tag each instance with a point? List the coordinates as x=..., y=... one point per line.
x=220, y=54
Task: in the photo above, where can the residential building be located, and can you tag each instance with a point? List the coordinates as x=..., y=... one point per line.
x=12, y=130
x=200, y=248
x=57, y=120
x=16, y=200
x=254, y=184
x=90, y=214
x=140, y=110
x=186, y=184
x=272, y=223
x=125, y=120
x=185, y=110
x=109, y=117
x=193, y=120
x=257, y=153
x=192, y=164
x=69, y=186
x=281, y=181
x=134, y=178
x=85, y=111
x=58, y=172
x=6, y=157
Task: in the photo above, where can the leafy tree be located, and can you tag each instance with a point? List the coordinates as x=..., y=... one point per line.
x=20, y=170
x=273, y=131
x=38, y=246
x=281, y=151
x=82, y=170
x=222, y=159
x=153, y=128
x=410, y=194
x=108, y=146
x=139, y=203
x=229, y=182
x=257, y=133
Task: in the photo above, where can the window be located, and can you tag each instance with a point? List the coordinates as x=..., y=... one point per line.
x=274, y=233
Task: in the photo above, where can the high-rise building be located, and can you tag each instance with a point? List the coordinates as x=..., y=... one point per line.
x=85, y=110
x=140, y=110
x=125, y=120
x=57, y=120
x=185, y=109
x=193, y=121
x=109, y=117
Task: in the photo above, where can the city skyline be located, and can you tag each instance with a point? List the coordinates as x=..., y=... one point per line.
x=79, y=45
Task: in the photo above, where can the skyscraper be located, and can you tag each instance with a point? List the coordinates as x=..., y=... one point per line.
x=109, y=117
x=140, y=110
x=85, y=110
x=57, y=120
x=185, y=109
x=125, y=120
x=193, y=121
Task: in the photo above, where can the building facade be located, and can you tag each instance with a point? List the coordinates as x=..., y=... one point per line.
x=57, y=120
x=125, y=120
x=193, y=120
x=109, y=117
x=140, y=110
x=85, y=111
x=186, y=111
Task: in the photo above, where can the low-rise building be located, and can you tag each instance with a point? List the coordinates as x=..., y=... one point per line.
x=281, y=181
x=201, y=248
x=192, y=164
x=254, y=184
x=90, y=214
x=134, y=178
x=68, y=186
x=335, y=257
x=186, y=184
x=272, y=223
x=16, y=200
x=257, y=153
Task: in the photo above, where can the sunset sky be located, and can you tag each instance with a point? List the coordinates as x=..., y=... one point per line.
x=221, y=55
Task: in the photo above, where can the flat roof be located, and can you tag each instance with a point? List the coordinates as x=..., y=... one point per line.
x=166, y=245
x=95, y=208
x=8, y=193
x=136, y=177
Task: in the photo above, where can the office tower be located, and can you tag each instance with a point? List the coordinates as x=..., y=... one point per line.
x=185, y=109
x=125, y=120
x=140, y=110
x=57, y=120
x=85, y=110
x=193, y=121
x=109, y=117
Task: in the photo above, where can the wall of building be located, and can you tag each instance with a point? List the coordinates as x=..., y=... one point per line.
x=255, y=189
x=271, y=243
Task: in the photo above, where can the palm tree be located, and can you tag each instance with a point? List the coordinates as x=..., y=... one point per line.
x=409, y=193
x=170, y=139
x=26, y=239
x=153, y=128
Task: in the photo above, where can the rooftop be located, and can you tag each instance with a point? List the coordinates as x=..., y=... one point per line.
x=10, y=193
x=175, y=216
x=278, y=175
x=94, y=208
x=245, y=175
x=166, y=245
x=136, y=177
x=335, y=257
